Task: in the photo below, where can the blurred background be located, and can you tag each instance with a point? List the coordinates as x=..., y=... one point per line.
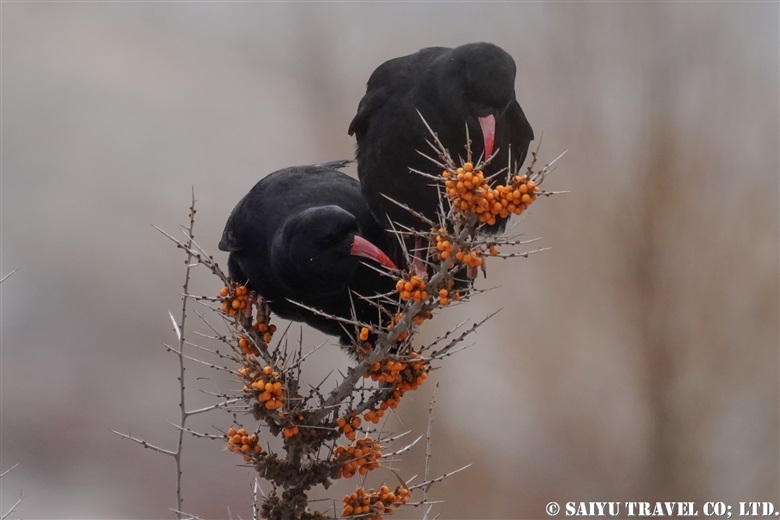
x=635, y=361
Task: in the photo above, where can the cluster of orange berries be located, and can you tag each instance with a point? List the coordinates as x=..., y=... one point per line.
x=265, y=329
x=406, y=376
x=470, y=258
x=390, y=371
x=470, y=193
x=391, y=402
x=240, y=442
x=418, y=319
x=445, y=249
x=247, y=347
x=348, y=425
x=233, y=305
x=517, y=196
x=412, y=289
x=360, y=457
x=402, y=336
x=290, y=431
x=373, y=504
x=268, y=386
x=443, y=245
x=418, y=374
x=444, y=296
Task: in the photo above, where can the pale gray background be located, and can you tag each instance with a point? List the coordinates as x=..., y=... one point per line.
x=636, y=360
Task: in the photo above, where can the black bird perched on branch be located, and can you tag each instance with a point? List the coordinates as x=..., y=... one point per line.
x=301, y=234
x=472, y=85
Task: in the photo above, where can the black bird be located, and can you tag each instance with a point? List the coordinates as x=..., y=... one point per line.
x=472, y=84
x=301, y=234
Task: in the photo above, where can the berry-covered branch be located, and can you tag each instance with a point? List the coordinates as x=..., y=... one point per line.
x=335, y=433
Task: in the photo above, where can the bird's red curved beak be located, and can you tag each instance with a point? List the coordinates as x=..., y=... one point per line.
x=364, y=248
x=488, y=124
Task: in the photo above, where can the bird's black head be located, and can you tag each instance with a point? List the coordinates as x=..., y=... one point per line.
x=316, y=251
x=486, y=78
x=476, y=84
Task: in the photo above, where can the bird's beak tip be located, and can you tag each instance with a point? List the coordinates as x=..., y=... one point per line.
x=364, y=248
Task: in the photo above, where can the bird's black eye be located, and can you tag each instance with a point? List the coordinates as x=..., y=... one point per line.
x=331, y=239
x=326, y=241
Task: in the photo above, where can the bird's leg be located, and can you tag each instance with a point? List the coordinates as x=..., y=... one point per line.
x=250, y=299
x=474, y=271
x=418, y=267
x=263, y=311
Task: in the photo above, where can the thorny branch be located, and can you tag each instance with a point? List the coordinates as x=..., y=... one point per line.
x=9, y=470
x=311, y=423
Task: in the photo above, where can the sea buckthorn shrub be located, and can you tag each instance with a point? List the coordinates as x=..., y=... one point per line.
x=305, y=436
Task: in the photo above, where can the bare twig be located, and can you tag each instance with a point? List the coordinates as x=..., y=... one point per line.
x=8, y=275
x=13, y=507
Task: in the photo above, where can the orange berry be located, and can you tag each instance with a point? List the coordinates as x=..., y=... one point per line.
x=223, y=292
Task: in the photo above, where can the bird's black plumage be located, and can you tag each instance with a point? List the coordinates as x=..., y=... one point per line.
x=450, y=88
x=295, y=236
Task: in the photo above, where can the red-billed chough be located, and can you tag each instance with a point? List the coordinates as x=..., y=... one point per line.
x=472, y=84
x=302, y=234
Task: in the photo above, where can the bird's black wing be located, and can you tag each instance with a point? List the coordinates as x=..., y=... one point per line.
x=394, y=77
x=231, y=241
x=521, y=133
